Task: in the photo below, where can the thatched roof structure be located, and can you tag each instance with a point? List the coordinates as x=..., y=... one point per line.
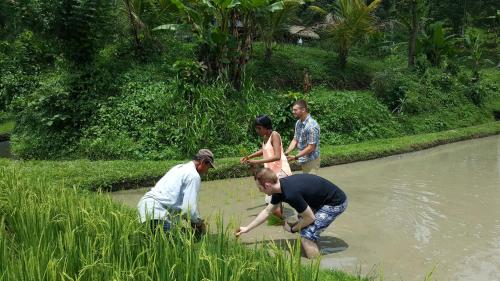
x=302, y=31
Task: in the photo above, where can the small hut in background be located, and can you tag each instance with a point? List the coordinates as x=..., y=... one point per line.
x=298, y=33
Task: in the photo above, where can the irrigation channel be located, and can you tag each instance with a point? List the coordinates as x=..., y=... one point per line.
x=5, y=149
x=434, y=210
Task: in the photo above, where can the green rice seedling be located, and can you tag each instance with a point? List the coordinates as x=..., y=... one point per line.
x=275, y=220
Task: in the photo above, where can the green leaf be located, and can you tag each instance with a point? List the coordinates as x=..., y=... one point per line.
x=170, y=26
x=276, y=6
x=218, y=37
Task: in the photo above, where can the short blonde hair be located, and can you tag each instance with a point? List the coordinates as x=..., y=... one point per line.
x=266, y=175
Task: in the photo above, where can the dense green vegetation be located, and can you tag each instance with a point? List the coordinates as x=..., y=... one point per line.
x=163, y=79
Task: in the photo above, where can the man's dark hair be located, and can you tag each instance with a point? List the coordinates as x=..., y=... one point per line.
x=264, y=121
x=302, y=103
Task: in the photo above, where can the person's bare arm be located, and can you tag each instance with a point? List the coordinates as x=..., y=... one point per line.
x=261, y=217
x=307, y=218
x=253, y=155
x=308, y=150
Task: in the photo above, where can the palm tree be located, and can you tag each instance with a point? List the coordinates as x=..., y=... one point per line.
x=412, y=14
x=133, y=9
x=434, y=43
x=353, y=20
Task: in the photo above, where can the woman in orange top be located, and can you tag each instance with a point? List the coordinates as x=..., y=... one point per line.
x=271, y=151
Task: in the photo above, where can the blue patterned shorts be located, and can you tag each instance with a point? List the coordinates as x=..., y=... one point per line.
x=324, y=217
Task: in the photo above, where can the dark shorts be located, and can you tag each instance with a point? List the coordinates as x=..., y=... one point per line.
x=324, y=217
x=164, y=224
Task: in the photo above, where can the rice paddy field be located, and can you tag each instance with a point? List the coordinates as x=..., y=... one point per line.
x=54, y=225
x=52, y=232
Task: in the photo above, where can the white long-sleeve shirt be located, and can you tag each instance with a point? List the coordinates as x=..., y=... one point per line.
x=176, y=192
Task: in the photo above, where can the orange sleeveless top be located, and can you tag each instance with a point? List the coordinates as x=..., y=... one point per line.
x=281, y=167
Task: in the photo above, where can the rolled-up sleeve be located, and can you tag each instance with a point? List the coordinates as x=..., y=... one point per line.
x=190, y=200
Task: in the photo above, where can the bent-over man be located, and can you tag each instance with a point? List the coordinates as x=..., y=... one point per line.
x=317, y=200
x=176, y=194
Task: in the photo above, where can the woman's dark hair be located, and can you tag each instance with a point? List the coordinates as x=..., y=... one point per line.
x=264, y=121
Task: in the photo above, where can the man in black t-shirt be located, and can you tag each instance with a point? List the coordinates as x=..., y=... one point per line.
x=317, y=201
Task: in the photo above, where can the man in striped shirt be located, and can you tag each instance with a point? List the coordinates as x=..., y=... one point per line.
x=306, y=139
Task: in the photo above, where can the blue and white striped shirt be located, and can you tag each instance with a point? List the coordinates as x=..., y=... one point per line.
x=306, y=133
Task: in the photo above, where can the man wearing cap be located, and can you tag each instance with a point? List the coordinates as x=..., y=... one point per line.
x=176, y=194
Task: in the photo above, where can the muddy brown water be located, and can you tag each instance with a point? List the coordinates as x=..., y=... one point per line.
x=436, y=211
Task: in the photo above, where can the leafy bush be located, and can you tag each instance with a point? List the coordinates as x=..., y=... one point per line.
x=20, y=62
x=289, y=63
x=45, y=126
x=429, y=90
x=154, y=121
x=451, y=118
x=347, y=117
x=392, y=87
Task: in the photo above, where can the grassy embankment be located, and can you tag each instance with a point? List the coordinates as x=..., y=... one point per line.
x=113, y=175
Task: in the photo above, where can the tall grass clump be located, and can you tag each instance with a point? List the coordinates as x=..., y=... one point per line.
x=48, y=232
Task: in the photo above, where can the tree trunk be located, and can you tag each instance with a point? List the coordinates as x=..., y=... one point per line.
x=240, y=67
x=134, y=29
x=342, y=59
x=268, y=54
x=413, y=35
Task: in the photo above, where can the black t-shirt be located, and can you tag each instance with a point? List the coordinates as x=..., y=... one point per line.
x=305, y=189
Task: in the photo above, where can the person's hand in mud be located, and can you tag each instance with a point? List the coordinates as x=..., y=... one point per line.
x=240, y=230
x=199, y=227
x=291, y=158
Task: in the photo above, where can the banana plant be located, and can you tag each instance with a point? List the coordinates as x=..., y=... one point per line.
x=225, y=30
x=275, y=22
x=474, y=46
